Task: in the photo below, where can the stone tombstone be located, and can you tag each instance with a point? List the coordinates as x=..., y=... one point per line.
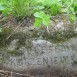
x=44, y=53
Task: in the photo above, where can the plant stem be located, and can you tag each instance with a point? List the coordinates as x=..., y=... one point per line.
x=47, y=29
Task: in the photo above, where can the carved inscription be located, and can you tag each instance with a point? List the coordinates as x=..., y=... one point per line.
x=44, y=55
x=42, y=61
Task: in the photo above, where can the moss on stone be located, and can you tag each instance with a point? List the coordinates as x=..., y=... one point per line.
x=58, y=36
x=54, y=36
x=25, y=38
x=74, y=63
x=3, y=35
x=15, y=53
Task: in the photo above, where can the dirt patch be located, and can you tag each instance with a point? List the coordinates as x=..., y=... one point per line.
x=40, y=72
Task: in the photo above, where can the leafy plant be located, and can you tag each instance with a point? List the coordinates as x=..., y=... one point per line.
x=23, y=8
x=26, y=8
x=42, y=19
x=55, y=7
x=47, y=8
x=52, y=7
x=5, y=6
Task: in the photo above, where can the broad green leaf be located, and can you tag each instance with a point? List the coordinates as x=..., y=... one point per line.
x=38, y=22
x=36, y=14
x=1, y=8
x=39, y=14
x=46, y=2
x=46, y=20
x=39, y=7
x=54, y=1
x=53, y=9
x=6, y=12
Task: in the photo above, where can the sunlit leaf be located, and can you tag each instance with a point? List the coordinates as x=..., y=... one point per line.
x=46, y=20
x=39, y=14
x=38, y=22
x=36, y=14
x=2, y=8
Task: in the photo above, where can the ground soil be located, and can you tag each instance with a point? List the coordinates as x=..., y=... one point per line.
x=39, y=72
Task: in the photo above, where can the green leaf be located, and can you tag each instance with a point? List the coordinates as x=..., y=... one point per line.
x=6, y=12
x=39, y=14
x=54, y=1
x=46, y=2
x=39, y=7
x=36, y=14
x=53, y=9
x=1, y=8
x=46, y=20
x=41, y=18
x=38, y=22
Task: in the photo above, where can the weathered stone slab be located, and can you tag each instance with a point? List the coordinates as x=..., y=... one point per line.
x=43, y=53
